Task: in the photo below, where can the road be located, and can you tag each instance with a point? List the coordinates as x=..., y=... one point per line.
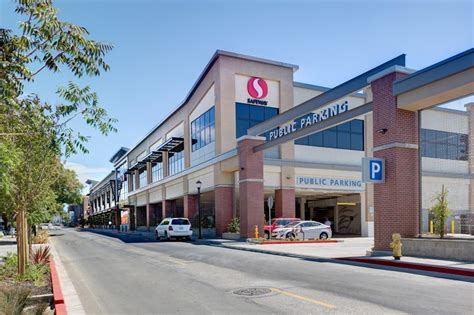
x=113, y=277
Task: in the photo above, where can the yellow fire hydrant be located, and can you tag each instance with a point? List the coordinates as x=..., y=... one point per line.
x=396, y=246
x=256, y=232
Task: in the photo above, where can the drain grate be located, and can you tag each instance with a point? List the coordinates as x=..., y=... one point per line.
x=252, y=291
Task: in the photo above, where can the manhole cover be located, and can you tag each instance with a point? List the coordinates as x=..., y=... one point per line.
x=252, y=291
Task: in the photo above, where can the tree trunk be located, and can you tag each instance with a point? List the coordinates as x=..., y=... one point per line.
x=22, y=243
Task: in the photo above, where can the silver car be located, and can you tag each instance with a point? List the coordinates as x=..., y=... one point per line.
x=304, y=229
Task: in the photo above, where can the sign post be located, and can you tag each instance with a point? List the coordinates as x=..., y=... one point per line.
x=270, y=206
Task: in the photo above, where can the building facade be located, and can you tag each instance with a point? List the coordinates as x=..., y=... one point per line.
x=315, y=177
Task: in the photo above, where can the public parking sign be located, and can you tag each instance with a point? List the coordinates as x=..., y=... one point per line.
x=373, y=170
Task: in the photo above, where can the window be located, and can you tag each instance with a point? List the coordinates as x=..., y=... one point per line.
x=347, y=136
x=142, y=178
x=444, y=145
x=176, y=160
x=250, y=115
x=156, y=171
x=180, y=222
x=203, y=130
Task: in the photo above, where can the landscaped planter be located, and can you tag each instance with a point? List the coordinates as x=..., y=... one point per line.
x=231, y=236
x=284, y=241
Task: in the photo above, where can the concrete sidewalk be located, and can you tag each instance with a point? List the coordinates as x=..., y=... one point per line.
x=355, y=249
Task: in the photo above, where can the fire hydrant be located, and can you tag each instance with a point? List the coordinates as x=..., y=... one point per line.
x=396, y=246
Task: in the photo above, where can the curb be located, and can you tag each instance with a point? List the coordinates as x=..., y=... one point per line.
x=408, y=265
x=58, y=297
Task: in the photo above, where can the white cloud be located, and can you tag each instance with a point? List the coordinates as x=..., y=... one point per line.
x=85, y=172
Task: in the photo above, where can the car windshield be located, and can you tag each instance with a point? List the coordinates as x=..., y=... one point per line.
x=180, y=222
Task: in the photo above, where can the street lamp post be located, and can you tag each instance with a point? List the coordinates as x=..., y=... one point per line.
x=198, y=184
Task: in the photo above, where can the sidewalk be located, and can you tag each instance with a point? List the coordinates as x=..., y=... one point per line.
x=353, y=250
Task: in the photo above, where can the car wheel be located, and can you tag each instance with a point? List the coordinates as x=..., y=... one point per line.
x=166, y=236
x=267, y=235
x=323, y=236
x=290, y=235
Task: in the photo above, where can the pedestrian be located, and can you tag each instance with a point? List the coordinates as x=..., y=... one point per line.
x=327, y=221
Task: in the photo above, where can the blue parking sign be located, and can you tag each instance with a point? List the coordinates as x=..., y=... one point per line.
x=373, y=170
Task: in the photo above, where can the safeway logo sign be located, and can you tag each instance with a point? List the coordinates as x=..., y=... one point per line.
x=257, y=88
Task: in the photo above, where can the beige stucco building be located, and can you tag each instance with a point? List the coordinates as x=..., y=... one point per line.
x=316, y=177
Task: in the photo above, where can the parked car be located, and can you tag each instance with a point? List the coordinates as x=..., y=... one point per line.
x=309, y=230
x=277, y=223
x=174, y=228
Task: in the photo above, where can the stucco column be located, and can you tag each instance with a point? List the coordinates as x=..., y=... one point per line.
x=397, y=200
x=250, y=186
x=285, y=203
x=470, y=157
x=224, y=202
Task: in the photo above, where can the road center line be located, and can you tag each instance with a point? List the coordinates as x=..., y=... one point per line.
x=303, y=298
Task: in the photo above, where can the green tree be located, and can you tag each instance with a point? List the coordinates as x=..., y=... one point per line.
x=34, y=134
x=440, y=212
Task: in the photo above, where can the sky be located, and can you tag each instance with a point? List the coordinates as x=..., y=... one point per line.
x=161, y=47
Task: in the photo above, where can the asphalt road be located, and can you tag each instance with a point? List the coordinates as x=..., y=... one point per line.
x=113, y=277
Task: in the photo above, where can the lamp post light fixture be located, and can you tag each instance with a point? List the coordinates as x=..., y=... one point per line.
x=198, y=185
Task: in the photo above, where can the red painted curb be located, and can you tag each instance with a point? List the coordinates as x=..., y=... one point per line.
x=407, y=265
x=297, y=242
x=59, y=306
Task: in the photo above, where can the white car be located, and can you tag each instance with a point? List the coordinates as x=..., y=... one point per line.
x=304, y=229
x=174, y=228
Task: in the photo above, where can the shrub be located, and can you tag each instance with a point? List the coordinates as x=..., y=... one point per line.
x=36, y=274
x=13, y=300
x=41, y=237
x=234, y=226
x=9, y=268
x=440, y=212
x=40, y=255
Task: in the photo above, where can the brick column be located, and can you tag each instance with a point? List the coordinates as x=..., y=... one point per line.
x=147, y=216
x=397, y=200
x=168, y=208
x=250, y=186
x=224, y=201
x=470, y=150
x=190, y=206
x=285, y=203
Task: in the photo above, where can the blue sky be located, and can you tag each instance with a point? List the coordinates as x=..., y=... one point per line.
x=162, y=46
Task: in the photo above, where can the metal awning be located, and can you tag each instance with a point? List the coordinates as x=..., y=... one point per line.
x=153, y=156
x=171, y=144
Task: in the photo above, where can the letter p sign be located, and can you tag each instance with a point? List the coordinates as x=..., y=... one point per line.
x=373, y=170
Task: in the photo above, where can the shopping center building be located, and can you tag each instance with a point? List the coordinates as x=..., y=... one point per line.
x=315, y=177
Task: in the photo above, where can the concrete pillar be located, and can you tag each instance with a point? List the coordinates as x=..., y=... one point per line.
x=190, y=206
x=397, y=200
x=284, y=203
x=250, y=186
x=470, y=157
x=302, y=208
x=224, y=203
